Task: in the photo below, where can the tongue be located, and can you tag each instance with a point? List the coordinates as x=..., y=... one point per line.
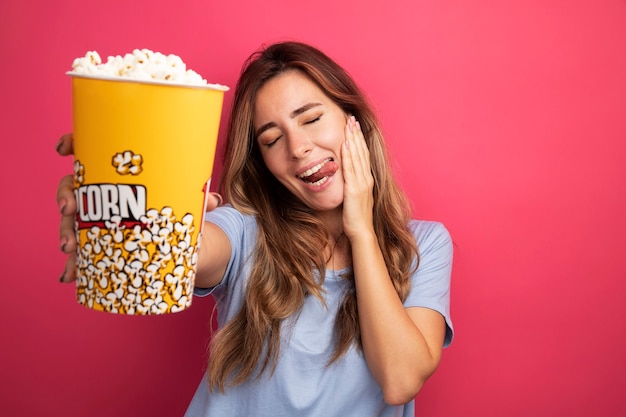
x=328, y=169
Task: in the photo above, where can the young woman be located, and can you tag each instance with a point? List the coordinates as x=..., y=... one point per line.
x=331, y=300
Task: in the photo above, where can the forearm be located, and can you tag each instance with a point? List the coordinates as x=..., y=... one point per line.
x=396, y=351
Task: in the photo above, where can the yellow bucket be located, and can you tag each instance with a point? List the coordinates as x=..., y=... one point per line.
x=143, y=157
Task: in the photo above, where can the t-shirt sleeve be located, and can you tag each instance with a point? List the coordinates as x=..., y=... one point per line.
x=430, y=284
x=234, y=225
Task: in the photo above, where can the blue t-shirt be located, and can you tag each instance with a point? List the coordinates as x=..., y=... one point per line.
x=302, y=384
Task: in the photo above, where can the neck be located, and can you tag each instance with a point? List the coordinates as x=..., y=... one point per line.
x=333, y=220
x=339, y=248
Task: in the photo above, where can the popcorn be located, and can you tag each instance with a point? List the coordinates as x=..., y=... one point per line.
x=158, y=258
x=127, y=163
x=139, y=217
x=141, y=64
x=137, y=265
x=79, y=174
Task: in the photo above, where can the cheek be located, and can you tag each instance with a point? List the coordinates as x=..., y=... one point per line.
x=336, y=142
x=339, y=132
x=272, y=162
x=331, y=138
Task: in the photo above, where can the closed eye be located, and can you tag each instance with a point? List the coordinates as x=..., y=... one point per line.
x=313, y=120
x=270, y=144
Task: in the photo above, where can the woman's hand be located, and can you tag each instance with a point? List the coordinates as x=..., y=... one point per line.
x=358, y=200
x=66, y=203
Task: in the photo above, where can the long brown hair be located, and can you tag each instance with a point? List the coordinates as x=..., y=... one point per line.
x=289, y=232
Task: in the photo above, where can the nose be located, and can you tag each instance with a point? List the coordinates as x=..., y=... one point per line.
x=299, y=145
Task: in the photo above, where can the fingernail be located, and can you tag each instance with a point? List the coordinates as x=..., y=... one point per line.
x=62, y=205
x=60, y=143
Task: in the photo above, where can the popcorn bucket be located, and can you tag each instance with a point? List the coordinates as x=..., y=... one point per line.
x=143, y=157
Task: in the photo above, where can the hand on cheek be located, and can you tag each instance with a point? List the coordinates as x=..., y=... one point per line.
x=358, y=180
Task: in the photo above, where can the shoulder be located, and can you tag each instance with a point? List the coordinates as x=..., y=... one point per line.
x=430, y=234
x=230, y=219
x=241, y=229
x=434, y=244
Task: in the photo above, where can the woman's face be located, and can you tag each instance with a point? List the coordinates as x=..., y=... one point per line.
x=300, y=132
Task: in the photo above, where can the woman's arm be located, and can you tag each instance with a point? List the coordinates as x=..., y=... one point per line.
x=402, y=346
x=213, y=255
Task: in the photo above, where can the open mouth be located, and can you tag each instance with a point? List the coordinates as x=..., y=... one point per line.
x=320, y=173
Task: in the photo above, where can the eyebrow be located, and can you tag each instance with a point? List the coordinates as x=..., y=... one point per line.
x=293, y=114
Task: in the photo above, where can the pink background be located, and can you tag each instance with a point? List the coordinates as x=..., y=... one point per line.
x=507, y=121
